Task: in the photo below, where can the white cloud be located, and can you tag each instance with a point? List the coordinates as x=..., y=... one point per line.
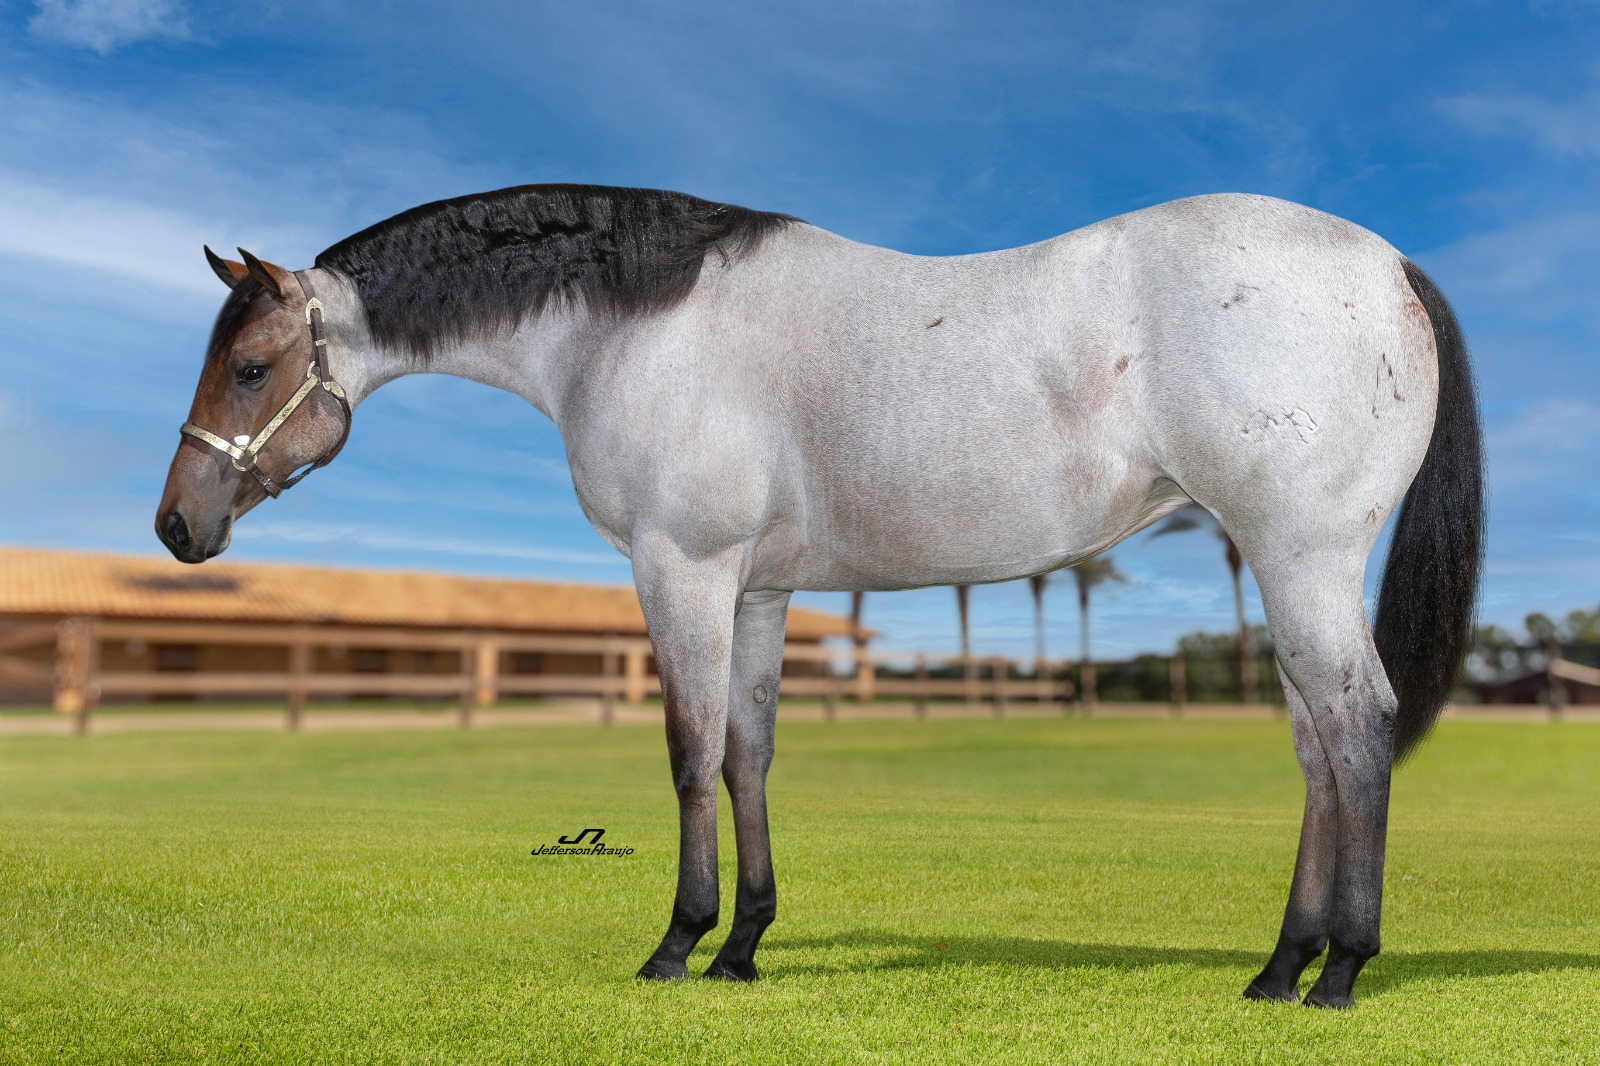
x=129, y=239
x=103, y=26
x=1539, y=268
x=1566, y=128
x=353, y=536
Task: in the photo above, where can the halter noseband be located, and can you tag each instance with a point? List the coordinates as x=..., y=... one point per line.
x=242, y=450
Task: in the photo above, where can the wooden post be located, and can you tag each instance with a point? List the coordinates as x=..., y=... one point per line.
x=1180, y=685
x=1042, y=682
x=486, y=673
x=922, y=687
x=77, y=651
x=467, y=671
x=633, y=672
x=299, y=667
x=998, y=671
x=1555, y=687
x=608, y=676
x=866, y=676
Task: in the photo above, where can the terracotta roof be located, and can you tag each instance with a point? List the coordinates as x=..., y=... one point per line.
x=41, y=582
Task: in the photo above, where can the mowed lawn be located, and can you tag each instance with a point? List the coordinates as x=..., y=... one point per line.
x=961, y=891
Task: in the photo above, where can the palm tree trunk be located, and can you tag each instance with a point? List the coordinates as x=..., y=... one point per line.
x=1041, y=668
x=1086, y=679
x=864, y=675
x=968, y=668
x=1247, y=650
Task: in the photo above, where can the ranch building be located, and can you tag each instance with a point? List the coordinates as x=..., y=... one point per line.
x=79, y=628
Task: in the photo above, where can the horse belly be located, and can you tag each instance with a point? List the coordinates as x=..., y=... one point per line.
x=911, y=505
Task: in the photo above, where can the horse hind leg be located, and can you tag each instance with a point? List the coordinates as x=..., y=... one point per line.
x=752, y=714
x=1319, y=625
x=1304, y=934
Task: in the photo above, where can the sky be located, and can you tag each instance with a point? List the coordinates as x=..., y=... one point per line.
x=134, y=131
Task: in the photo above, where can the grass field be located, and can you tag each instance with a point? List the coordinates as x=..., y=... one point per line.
x=961, y=891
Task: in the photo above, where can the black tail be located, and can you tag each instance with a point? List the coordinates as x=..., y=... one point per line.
x=1430, y=580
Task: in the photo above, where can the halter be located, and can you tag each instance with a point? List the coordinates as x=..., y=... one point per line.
x=243, y=449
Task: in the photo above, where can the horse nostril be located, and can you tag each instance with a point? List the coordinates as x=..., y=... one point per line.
x=175, y=531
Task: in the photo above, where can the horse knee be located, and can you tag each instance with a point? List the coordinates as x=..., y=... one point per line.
x=694, y=779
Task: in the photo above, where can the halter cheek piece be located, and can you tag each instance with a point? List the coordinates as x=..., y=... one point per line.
x=243, y=449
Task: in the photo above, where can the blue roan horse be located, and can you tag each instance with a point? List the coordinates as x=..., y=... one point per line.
x=751, y=405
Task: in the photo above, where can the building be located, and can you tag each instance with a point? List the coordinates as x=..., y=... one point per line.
x=78, y=628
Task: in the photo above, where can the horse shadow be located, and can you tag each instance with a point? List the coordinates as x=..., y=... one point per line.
x=1392, y=969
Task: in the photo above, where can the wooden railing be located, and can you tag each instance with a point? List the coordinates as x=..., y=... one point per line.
x=80, y=680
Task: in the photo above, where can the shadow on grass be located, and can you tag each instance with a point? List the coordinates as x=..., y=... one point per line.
x=1389, y=970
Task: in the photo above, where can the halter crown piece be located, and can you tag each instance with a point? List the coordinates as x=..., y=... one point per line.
x=244, y=448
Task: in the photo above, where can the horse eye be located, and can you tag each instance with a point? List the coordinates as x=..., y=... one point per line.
x=252, y=375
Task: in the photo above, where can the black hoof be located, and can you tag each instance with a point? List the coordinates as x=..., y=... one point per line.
x=1263, y=995
x=725, y=970
x=662, y=970
x=1315, y=998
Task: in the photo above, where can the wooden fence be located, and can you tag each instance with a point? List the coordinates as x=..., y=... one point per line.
x=80, y=680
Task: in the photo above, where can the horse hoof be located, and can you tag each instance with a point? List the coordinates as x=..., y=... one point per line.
x=1261, y=995
x=662, y=970
x=724, y=970
x=1315, y=998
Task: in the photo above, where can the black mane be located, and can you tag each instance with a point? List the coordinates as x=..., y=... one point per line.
x=471, y=267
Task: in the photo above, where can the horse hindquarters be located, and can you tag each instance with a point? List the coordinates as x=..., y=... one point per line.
x=1350, y=721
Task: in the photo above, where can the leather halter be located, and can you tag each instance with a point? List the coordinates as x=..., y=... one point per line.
x=243, y=449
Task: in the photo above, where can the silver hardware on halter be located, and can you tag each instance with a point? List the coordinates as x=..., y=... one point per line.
x=241, y=440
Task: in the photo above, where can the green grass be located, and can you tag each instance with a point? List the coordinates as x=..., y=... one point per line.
x=962, y=891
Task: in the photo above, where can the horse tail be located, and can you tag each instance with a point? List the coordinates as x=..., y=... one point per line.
x=1430, y=580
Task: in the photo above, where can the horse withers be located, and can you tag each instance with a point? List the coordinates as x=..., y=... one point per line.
x=751, y=405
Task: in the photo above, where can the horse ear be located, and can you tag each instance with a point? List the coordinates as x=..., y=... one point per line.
x=271, y=277
x=230, y=272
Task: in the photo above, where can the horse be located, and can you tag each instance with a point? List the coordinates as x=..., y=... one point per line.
x=751, y=405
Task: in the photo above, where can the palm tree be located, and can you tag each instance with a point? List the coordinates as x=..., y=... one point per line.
x=1088, y=574
x=1041, y=666
x=967, y=671
x=858, y=637
x=1194, y=516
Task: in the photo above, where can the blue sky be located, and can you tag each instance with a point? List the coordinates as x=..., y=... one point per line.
x=131, y=131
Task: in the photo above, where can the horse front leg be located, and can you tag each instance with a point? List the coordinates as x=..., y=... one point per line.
x=689, y=610
x=752, y=714
x=1305, y=918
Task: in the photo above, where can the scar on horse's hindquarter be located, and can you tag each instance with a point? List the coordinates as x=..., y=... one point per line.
x=752, y=405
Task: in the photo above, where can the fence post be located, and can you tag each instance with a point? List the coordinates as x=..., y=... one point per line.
x=633, y=673
x=299, y=667
x=608, y=677
x=866, y=676
x=486, y=672
x=1555, y=687
x=1180, y=685
x=77, y=652
x=921, y=694
x=969, y=677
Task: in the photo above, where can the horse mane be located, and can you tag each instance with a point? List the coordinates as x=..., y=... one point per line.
x=475, y=266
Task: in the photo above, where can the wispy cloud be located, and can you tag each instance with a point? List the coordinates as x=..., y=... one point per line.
x=104, y=26
x=463, y=547
x=1567, y=128
x=154, y=245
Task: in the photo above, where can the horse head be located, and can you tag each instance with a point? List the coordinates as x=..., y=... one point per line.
x=266, y=411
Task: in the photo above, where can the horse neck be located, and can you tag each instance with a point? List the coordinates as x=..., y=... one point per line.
x=536, y=361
